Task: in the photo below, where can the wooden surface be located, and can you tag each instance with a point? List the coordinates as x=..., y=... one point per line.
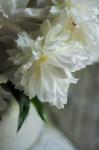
x=80, y=118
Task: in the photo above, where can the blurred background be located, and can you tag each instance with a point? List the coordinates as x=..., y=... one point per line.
x=79, y=120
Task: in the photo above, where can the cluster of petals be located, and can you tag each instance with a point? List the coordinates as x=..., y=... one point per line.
x=67, y=41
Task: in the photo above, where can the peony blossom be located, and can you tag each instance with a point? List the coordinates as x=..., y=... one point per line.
x=45, y=65
x=17, y=16
x=16, y=9
x=80, y=24
x=79, y=19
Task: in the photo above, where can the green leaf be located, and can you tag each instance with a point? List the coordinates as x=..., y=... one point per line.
x=24, y=110
x=23, y=101
x=39, y=107
x=24, y=104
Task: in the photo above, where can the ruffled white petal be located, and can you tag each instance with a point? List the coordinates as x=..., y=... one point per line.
x=30, y=13
x=24, y=41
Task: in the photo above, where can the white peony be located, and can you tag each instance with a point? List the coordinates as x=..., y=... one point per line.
x=45, y=65
x=16, y=16
x=79, y=19
x=16, y=9
x=80, y=24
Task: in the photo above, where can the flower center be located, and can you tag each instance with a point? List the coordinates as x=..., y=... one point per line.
x=41, y=60
x=37, y=64
x=70, y=25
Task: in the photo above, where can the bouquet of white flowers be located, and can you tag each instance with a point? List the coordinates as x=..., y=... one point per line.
x=42, y=46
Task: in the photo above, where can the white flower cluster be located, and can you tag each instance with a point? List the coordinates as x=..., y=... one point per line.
x=67, y=40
